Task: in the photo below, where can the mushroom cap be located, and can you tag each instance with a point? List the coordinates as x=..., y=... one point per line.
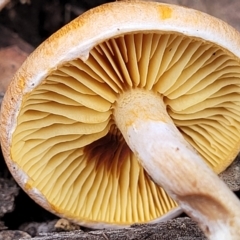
x=58, y=134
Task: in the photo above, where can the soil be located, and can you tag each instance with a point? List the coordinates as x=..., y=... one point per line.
x=34, y=21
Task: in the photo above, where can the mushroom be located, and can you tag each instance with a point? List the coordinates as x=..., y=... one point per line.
x=117, y=118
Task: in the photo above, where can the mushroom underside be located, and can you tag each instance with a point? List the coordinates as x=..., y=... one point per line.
x=67, y=142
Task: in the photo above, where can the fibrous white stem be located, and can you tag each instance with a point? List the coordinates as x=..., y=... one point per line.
x=173, y=164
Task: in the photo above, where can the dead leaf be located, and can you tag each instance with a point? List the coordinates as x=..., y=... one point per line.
x=3, y=3
x=11, y=58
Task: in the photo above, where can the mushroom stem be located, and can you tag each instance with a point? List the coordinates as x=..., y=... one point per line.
x=172, y=163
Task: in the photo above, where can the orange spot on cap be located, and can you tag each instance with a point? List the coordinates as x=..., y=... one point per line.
x=28, y=185
x=165, y=12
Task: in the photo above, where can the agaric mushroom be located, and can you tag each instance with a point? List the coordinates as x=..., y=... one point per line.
x=158, y=79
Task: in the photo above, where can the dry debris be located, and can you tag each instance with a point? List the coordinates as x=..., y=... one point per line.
x=13, y=235
x=179, y=229
x=8, y=192
x=231, y=176
x=65, y=225
x=36, y=228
